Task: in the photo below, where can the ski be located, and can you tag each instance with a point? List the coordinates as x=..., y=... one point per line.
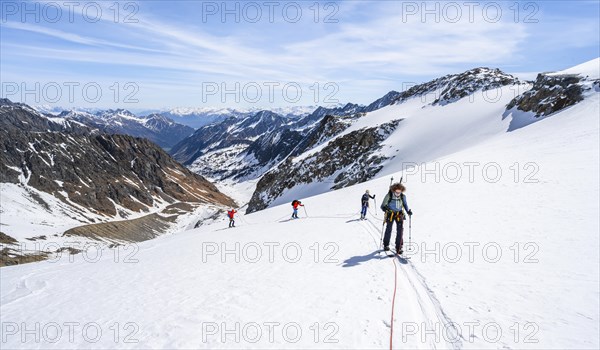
x=390, y=254
x=399, y=256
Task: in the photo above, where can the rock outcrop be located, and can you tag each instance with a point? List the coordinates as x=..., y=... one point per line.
x=91, y=170
x=346, y=160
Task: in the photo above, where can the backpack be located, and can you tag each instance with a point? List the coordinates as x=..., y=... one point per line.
x=390, y=198
x=295, y=201
x=364, y=198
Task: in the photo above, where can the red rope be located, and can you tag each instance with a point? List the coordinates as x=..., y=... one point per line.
x=393, y=302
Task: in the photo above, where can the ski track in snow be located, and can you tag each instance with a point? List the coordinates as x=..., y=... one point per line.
x=153, y=286
x=416, y=292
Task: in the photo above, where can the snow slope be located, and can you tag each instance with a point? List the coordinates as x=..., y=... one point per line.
x=589, y=69
x=431, y=130
x=426, y=132
x=505, y=256
x=23, y=217
x=188, y=290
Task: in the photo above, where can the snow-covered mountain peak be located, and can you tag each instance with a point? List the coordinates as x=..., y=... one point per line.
x=266, y=115
x=159, y=117
x=451, y=88
x=156, y=127
x=6, y=103
x=224, y=111
x=117, y=113
x=75, y=114
x=187, y=111
x=56, y=110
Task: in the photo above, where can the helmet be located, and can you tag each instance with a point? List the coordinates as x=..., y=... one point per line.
x=367, y=191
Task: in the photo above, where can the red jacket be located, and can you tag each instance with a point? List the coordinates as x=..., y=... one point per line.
x=297, y=204
x=230, y=213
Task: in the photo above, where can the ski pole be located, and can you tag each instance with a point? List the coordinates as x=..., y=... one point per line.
x=375, y=200
x=381, y=240
x=382, y=226
x=305, y=213
x=409, y=232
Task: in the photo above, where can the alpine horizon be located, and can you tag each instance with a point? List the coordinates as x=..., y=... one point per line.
x=314, y=174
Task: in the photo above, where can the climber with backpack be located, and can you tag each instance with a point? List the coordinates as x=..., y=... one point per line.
x=231, y=213
x=364, y=202
x=295, y=204
x=395, y=207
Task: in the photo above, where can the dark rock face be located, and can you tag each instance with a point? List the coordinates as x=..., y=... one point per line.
x=321, y=112
x=386, y=100
x=19, y=116
x=549, y=94
x=227, y=133
x=352, y=157
x=189, y=149
x=199, y=119
x=164, y=131
x=6, y=239
x=451, y=88
x=274, y=146
x=327, y=128
x=84, y=167
x=244, y=147
x=248, y=161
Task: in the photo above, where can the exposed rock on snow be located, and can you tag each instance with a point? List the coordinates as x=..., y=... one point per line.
x=550, y=94
x=99, y=172
x=453, y=87
x=241, y=148
x=347, y=160
x=230, y=132
x=135, y=230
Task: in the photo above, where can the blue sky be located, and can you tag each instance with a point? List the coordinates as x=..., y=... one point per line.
x=160, y=54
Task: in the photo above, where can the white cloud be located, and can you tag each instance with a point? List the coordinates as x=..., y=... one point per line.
x=371, y=44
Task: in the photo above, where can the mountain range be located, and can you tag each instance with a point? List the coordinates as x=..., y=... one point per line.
x=513, y=249
x=395, y=131
x=63, y=170
x=274, y=157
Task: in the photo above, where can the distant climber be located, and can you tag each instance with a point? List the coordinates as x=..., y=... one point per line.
x=395, y=207
x=231, y=214
x=295, y=204
x=364, y=202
